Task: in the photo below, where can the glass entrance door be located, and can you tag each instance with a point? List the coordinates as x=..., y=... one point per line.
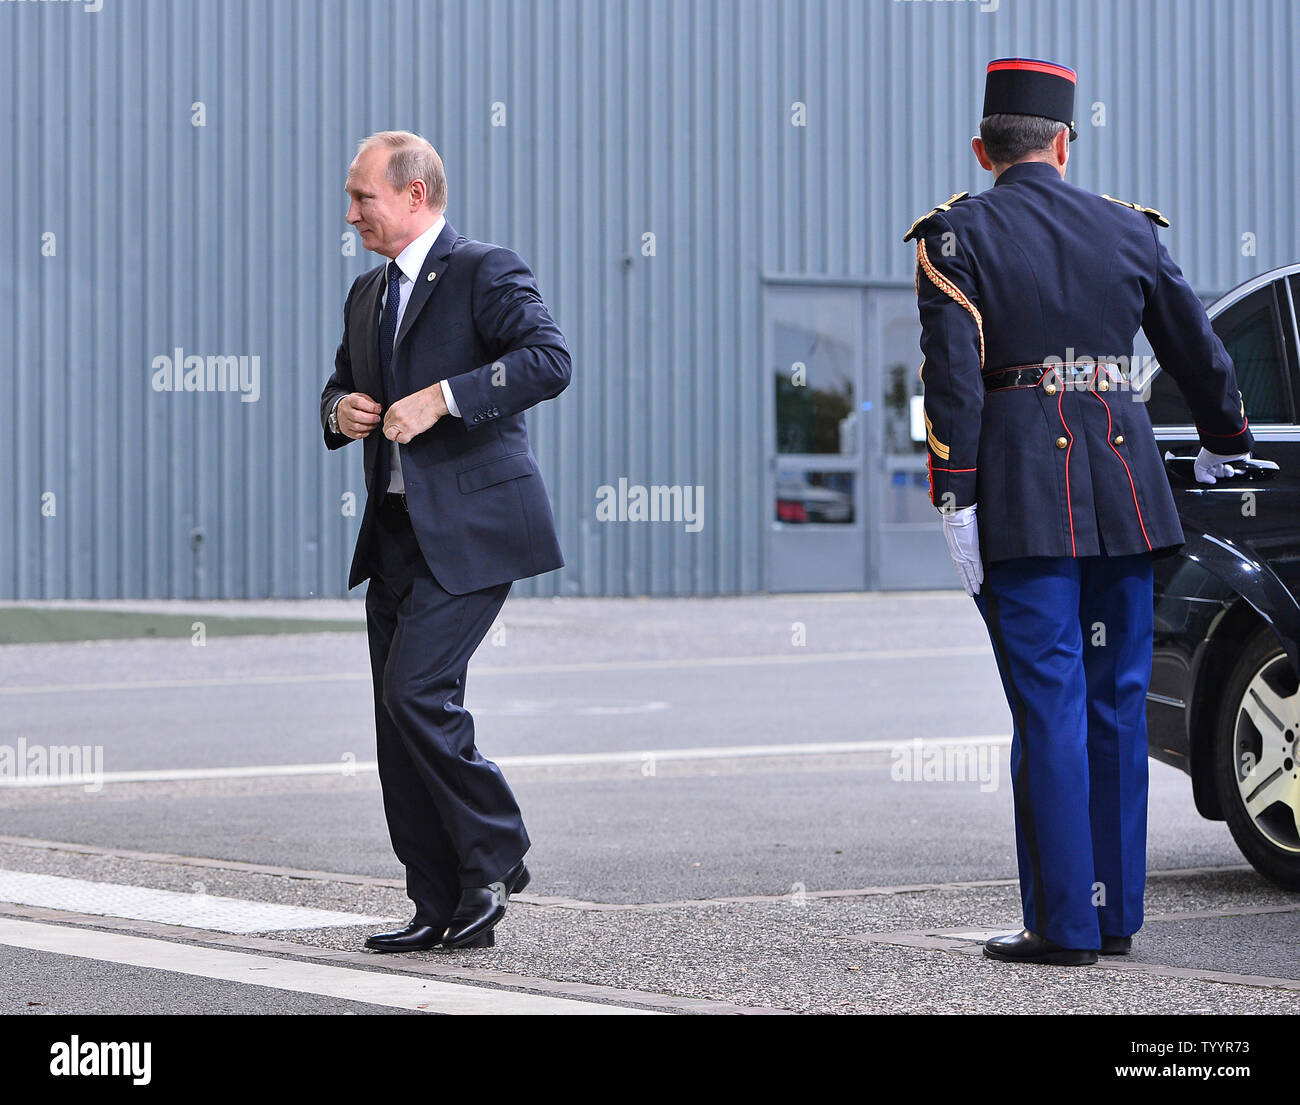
x=847, y=494
x=813, y=348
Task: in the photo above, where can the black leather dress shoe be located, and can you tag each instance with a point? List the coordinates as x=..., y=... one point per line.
x=519, y=877
x=1116, y=945
x=481, y=908
x=1026, y=947
x=413, y=938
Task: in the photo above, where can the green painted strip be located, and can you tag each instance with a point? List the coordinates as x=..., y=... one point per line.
x=20, y=625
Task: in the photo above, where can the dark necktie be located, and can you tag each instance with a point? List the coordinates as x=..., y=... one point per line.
x=388, y=327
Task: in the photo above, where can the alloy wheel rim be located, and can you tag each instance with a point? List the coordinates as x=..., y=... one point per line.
x=1266, y=753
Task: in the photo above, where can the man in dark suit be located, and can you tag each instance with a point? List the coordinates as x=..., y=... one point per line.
x=444, y=348
x=1053, y=493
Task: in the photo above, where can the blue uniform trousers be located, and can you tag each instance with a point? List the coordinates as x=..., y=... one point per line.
x=1072, y=637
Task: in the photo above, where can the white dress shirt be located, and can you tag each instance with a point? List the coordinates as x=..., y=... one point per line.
x=410, y=261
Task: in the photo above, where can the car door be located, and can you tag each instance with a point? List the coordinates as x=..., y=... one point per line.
x=1257, y=325
x=1257, y=511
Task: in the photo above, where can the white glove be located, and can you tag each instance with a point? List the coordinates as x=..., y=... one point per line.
x=963, y=538
x=1210, y=467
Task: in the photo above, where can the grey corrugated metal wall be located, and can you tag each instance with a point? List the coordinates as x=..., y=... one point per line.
x=664, y=116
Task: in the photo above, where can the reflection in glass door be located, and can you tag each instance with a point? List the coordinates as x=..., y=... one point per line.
x=812, y=368
x=908, y=546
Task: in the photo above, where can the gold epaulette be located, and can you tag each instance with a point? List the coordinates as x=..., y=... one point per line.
x=1150, y=212
x=954, y=198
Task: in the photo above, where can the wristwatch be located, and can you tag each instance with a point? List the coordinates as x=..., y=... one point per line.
x=334, y=418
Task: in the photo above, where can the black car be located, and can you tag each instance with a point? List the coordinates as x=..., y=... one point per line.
x=1224, y=703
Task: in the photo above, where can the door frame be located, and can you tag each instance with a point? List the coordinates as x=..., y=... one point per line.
x=852, y=536
x=921, y=547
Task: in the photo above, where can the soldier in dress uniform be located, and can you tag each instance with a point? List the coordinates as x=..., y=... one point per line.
x=1052, y=490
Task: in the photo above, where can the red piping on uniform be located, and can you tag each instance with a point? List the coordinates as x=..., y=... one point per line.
x=1068, y=506
x=1126, y=469
x=1035, y=66
x=931, y=469
x=1237, y=434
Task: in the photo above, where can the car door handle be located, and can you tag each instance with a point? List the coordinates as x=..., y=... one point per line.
x=1254, y=470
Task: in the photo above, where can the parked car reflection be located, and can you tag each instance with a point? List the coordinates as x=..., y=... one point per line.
x=804, y=496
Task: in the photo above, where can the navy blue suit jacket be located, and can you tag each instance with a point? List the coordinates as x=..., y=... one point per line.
x=1030, y=270
x=477, y=502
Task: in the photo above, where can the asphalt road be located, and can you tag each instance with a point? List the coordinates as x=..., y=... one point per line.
x=632, y=732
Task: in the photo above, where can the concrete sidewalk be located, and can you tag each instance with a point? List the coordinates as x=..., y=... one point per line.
x=868, y=950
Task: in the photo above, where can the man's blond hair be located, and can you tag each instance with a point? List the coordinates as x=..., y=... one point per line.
x=411, y=158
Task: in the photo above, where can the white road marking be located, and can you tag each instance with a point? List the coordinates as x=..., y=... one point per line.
x=560, y=759
x=687, y=663
x=185, y=774
x=372, y=987
x=194, y=910
x=563, y=707
x=737, y=752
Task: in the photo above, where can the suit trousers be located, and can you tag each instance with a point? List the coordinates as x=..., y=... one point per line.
x=452, y=818
x=1072, y=638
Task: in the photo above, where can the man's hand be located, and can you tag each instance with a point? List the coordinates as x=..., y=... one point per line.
x=357, y=415
x=1210, y=467
x=963, y=538
x=410, y=417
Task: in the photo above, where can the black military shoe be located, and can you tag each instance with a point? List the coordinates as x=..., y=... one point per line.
x=1116, y=945
x=413, y=938
x=481, y=908
x=1026, y=947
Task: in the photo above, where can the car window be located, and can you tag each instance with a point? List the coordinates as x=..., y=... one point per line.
x=1250, y=332
x=1166, y=406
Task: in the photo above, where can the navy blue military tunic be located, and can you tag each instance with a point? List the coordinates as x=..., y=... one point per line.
x=1030, y=295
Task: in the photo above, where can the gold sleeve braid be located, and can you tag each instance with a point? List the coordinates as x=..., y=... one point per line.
x=940, y=449
x=949, y=289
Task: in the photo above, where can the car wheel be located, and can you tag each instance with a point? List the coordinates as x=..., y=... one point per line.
x=1257, y=759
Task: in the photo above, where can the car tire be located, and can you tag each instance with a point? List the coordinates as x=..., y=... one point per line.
x=1257, y=759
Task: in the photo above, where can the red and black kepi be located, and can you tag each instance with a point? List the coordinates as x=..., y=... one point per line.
x=1027, y=86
